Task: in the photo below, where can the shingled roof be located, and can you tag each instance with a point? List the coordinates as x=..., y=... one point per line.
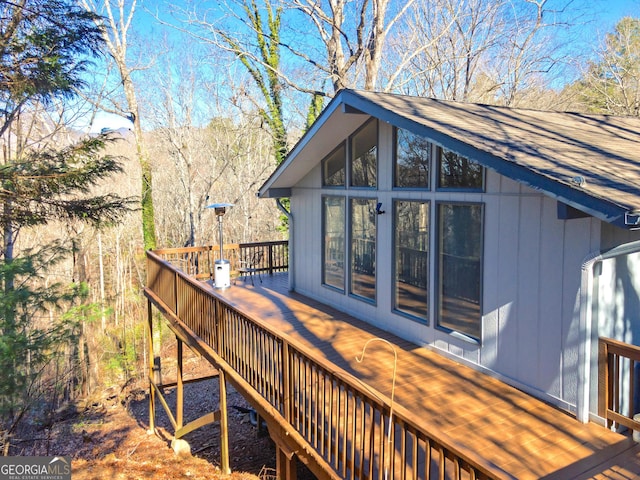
x=591, y=162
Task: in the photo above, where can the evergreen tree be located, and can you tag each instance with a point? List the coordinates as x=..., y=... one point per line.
x=611, y=84
x=45, y=46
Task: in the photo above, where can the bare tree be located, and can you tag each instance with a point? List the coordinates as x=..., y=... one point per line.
x=456, y=35
x=249, y=31
x=223, y=161
x=354, y=36
x=478, y=50
x=203, y=154
x=173, y=112
x=118, y=16
x=251, y=219
x=531, y=55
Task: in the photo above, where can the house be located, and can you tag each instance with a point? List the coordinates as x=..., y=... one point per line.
x=504, y=238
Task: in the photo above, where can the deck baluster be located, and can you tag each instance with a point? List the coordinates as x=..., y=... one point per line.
x=341, y=426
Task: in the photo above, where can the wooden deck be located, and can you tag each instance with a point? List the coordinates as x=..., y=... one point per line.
x=524, y=437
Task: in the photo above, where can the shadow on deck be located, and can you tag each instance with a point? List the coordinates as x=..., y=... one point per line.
x=324, y=413
x=522, y=435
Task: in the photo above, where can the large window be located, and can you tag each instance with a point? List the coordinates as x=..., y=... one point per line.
x=411, y=222
x=364, y=156
x=333, y=230
x=412, y=160
x=459, y=259
x=334, y=168
x=363, y=247
x=437, y=241
x=458, y=172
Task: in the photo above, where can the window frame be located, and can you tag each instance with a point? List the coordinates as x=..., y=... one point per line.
x=394, y=284
x=350, y=155
x=351, y=258
x=323, y=274
x=355, y=273
x=431, y=162
x=437, y=172
x=342, y=145
x=437, y=301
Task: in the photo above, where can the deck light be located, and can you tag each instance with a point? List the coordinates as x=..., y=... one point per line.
x=222, y=277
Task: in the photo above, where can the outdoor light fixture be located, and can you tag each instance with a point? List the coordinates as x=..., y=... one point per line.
x=222, y=277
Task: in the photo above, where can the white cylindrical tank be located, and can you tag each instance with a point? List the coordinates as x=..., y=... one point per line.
x=222, y=274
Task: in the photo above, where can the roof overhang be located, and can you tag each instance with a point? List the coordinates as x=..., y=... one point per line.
x=584, y=161
x=336, y=122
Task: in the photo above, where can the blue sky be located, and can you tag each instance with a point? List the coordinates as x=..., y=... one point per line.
x=600, y=17
x=610, y=11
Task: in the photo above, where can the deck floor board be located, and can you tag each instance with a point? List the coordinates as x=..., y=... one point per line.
x=522, y=435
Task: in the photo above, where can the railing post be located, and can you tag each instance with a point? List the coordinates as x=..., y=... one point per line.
x=285, y=464
x=270, y=259
x=175, y=292
x=286, y=382
x=603, y=378
x=218, y=326
x=210, y=259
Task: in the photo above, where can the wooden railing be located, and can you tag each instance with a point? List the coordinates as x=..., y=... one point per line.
x=198, y=261
x=619, y=383
x=340, y=422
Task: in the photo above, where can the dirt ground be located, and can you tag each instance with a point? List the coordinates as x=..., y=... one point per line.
x=107, y=437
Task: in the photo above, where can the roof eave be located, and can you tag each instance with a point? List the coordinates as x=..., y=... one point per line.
x=328, y=111
x=602, y=209
x=350, y=101
x=276, y=193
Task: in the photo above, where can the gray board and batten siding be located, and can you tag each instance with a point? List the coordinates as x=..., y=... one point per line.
x=537, y=163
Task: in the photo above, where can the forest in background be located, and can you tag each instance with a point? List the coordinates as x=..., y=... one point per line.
x=211, y=98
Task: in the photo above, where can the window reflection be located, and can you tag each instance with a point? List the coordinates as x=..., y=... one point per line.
x=333, y=213
x=456, y=171
x=364, y=156
x=334, y=168
x=411, y=220
x=460, y=267
x=363, y=247
x=412, y=160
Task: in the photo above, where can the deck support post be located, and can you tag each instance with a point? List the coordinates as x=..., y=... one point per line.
x=152, y=392
x=222, y=407
x=179, y=445
x=224, y=425
x=179, y=388
x=286, y=464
